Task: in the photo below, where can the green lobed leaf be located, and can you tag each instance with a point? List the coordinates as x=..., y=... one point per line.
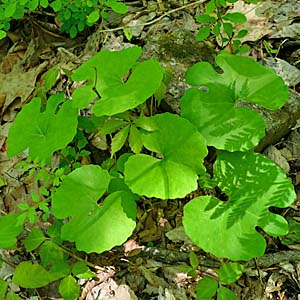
x=43, y=132
x=69, y=289
x=227, y=229
x=31, y=276
x=217, y=118
x=206, y=288
x=93, y=227
x=230, y=272
x=247, y=79
x=34, y=239
x=122, y=82
x=9, y=230
x=226, y=294
x=180, y=150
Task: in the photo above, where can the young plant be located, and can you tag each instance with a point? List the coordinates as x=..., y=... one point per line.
x=77, y=15
x=208, y=287
x=16, y=10
x=221, y=25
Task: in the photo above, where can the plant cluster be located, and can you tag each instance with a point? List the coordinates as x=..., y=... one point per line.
x=154, y=162
x=219, y=23
x=161, y=156
x=73, y=15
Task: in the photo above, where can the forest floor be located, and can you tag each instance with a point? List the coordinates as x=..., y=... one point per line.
x=147, y=265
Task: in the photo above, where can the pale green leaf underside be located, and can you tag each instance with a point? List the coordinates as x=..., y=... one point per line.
x=180, y=149
x=224, y=125
x=247, y=79
x=120, y=80
x=227, y=228
x=43, y=133
x=94, y=228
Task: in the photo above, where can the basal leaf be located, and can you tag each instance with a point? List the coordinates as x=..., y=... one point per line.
x=34, y=239
x=173, y=173
x=247, y=79
x=94, y=227
x=121, y=81
x=219, y=120
x=69, y=289
x=31, y=276
x=227, y=229
x=43, y=132
x=9, y=230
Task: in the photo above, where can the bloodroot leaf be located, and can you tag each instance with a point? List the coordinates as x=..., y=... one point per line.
x=215, y=110
x=43, y=132
x=227, y=229
x=224, y=125
x=180, y=152
x=93, y=227
x=121, y=81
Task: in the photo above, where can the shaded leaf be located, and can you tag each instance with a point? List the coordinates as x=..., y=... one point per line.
x=247, y=79
x=228, y=228
x=217, y=118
